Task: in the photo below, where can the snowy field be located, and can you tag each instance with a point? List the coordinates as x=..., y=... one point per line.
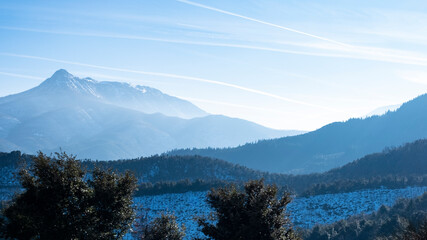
x=7, y=193
x=305, y=212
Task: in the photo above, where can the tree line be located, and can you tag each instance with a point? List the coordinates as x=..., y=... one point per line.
x=405, y=220
x=352, y=185
x=393, y=168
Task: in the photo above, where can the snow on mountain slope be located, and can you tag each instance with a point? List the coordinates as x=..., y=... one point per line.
x=111, y=120
x=66, y=88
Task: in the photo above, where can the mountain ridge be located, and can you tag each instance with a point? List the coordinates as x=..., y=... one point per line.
x=392, y=168
x=140, y=98
x=113, y=120
x=330, y=146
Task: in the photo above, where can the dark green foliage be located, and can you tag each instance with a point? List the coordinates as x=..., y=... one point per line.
x=351, y=185
x=2, y=226
x=387, y=223
x=163, y=227
x=254, y=213
x=13, y=159
x=112, y=201
x=415, y=232
x=61, y=201
x=9, y=167
x=176, y=168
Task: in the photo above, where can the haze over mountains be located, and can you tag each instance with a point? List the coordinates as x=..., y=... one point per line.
x=330, y=146
x=112, y=120
x=382, y=110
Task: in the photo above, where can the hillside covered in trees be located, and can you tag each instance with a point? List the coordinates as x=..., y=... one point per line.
x=331, y=146
x=393, y=168
x=403, y=220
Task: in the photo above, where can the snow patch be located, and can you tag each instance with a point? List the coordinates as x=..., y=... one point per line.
x=305, y=212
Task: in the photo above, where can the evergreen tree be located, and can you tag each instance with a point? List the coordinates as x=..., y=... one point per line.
x=415, y=233
x=255, y=213
x=2, y=226
x=61, y=200
x=163, y=228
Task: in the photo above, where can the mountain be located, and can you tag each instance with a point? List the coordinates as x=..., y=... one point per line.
x=382, y=110
x=330, y=146
x=405, y=160
x=112, y=120
x=67, y=88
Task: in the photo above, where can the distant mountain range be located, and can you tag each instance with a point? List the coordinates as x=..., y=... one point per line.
x=114, y=120
x=383, y=110
x=330, y=146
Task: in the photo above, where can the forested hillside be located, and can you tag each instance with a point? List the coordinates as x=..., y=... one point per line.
x=392, y=168
x=387, y=223
x=331, y=146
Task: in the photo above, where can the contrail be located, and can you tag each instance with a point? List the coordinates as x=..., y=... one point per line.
x=264, y=22
x=168, y=75
x=20, y=75
x=138, y=80
x=212, y=44
x=372, y=54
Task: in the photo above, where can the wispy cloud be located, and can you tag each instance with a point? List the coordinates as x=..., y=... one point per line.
x=419, y=77
x=212, y=44
x=133, y=80
x=175, y=76
x=20, y=75
x=368, y=53
x=264, y=22
x=364, y=52
x=326, y=49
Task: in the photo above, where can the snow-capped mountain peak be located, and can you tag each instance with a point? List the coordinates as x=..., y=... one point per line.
x=63, y=81
x=63, y=85
x=109, y=120
x=61, y=74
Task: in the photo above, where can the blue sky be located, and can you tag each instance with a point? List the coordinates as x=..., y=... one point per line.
x=283, y=64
